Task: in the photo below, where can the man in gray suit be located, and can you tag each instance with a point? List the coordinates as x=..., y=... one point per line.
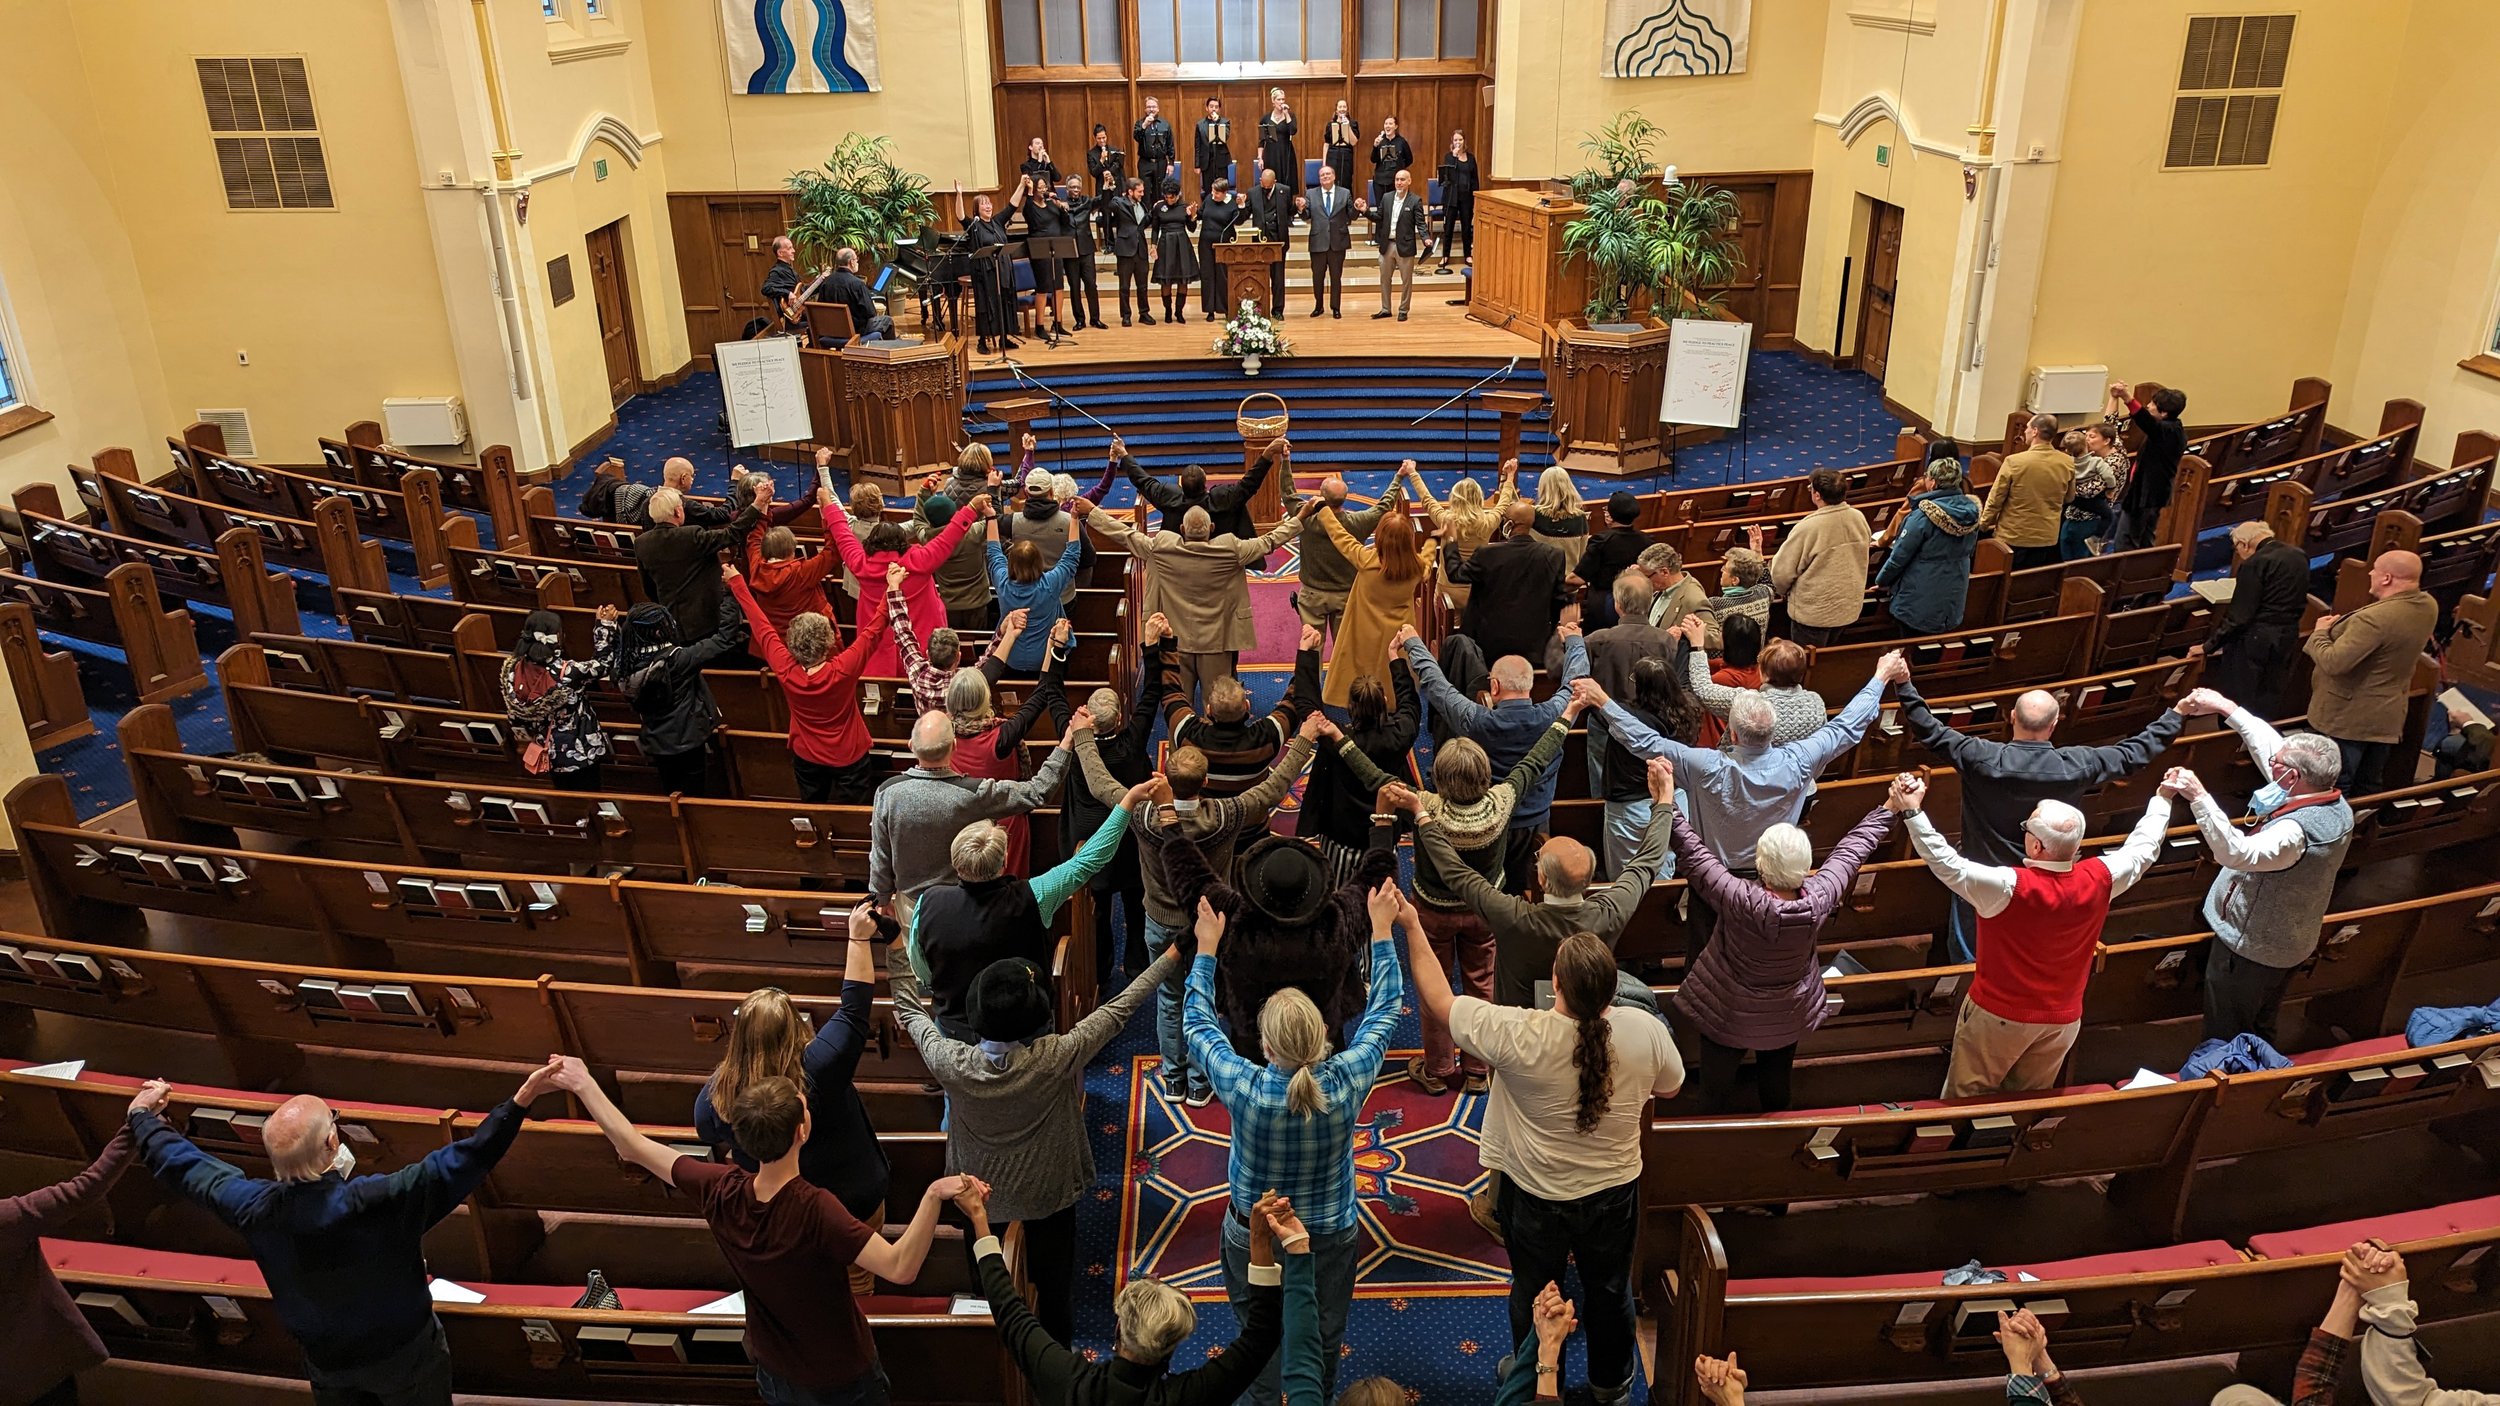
x=1331, y=211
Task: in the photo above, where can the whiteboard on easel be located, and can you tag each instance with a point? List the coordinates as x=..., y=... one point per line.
x=1706, y=372
x=761, y=390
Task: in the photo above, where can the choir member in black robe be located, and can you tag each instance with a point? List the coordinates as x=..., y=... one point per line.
x=1458, y=201
x=1211, y=147
x=1216, y=220
x=1390, y=155
x=984, y=242
x=1276, y=152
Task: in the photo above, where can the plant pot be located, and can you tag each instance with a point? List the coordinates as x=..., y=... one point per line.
x=1250, y=365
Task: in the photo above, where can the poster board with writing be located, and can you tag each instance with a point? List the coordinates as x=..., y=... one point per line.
x=762, y=393
x=1706, y=372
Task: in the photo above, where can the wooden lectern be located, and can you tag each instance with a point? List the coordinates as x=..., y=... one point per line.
x=1521, y=284
x=906, y=408
x=1607, y=383
x=1249, y=274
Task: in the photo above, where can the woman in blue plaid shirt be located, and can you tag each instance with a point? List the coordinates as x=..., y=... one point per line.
x=1294, y=1119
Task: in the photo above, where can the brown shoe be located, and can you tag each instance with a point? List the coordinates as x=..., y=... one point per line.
x=1424, y=1079
x=1480, y=1210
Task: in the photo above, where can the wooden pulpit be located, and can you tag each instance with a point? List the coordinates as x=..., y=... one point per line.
x=906, y=407
x=1249, y=274
x=1607, y=383
x=1521, y=283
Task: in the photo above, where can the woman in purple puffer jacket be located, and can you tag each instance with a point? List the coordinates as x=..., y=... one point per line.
x=1757, y=986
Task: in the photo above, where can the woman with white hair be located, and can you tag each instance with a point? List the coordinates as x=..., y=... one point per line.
x=1758, y=986
x=1562, y=519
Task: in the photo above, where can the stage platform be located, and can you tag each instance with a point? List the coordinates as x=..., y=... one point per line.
x=1433, y=331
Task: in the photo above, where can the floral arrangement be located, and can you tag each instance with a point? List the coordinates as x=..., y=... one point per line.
x=1251, y=332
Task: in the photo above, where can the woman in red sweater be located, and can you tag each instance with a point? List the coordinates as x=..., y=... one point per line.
x=828, y=737
x=887, y=544
x=1739, y=665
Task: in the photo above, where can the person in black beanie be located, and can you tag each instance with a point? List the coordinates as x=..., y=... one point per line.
x=1284, y=926
x=1608, y=555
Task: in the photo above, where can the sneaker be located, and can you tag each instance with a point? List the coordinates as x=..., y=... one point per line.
x=1424, y=1079
x=1174, y=1087
x=1200, y=1097
x=1478, y=1083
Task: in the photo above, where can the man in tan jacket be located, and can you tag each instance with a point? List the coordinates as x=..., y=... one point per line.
x=2026, y=504
x=1820, y=568
x=1194, y=580
x=2362, y=665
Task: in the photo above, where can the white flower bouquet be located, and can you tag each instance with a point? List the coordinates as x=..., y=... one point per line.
x=1251, y=332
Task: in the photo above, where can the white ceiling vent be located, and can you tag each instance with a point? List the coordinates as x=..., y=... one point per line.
x=236, y=426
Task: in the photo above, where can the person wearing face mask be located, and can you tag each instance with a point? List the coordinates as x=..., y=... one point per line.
x=544, y=696
x=2277, y=879
x=343, y=1256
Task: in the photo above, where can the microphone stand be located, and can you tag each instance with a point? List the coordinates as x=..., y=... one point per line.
x=1466, y=417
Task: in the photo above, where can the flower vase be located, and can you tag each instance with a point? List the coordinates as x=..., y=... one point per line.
x=1250, y=364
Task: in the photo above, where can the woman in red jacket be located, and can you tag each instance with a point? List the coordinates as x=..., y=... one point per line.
x=887, y=544
x=828, y=737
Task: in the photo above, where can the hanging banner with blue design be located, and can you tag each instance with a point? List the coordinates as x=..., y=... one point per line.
x=801, y=46
x=1676, y=38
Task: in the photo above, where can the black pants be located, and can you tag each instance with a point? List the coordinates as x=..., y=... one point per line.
x=1135, y=272
x=1130, y=889
x=1519, y=847
x=972, y=619
x=1084, y=290
x=1050, y=1252
x=1458, y=226
x=685, y=773
x=1327, y=279
x=1701, y=920
x=1812, y=636
x=580, y=778
x=2026, y=558
x=1153, y=175
x=63, y=1393
x=853, y=785
x=1211, y=283
x=1716, y=1073
x=990, y=310
x=2364, y=763
x=2241, y=997
x=1276, y=288
x=1545, y=1238
x=418, y=1374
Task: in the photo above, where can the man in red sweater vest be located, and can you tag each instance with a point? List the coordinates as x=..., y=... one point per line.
x=2038, y=926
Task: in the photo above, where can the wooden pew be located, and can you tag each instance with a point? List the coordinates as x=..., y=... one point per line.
x=1753, y=501
x=410, y=512
x=491, y=486
x=1710, y=540
x=2437, y=501
x=234, y=576
x=162, y=649
x=2188, y=1300
x=49, y=699
x=2296, y=433
x=2358, y=467
x=2127, y=580
x=482, y=577
x=1968, y=661
x=327, y=543
x=2455, y=563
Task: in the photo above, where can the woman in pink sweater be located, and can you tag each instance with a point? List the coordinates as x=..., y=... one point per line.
x=887, y=544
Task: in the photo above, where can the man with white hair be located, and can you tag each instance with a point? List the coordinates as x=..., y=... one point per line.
x=1733, y=795
x=985, y=914
x=2276, y=880
x=2252, y=648
x=343, y=1256
x=2003, y=781
x=1195, y=580
x=916, y=816
x=1506, y=725
x=2038, y=927
x=681, y=563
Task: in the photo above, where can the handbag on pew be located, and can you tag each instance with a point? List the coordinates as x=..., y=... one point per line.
x=598, y=1294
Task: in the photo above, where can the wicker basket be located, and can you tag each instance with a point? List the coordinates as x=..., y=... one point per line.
x=1261, y=426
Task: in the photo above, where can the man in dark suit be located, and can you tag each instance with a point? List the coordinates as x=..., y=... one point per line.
x=1152, y=137
x=1518, y=594
x=1124, y=229
x=1331, y=210
x=1271, y=211
x=681, y=564
x=782, y=279
x=1398, y=229
x=1211, y=146
x=845, y=286
x=2252, y=648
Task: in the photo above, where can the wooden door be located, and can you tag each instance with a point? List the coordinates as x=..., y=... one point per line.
x=1883, y=273
x=616, y=311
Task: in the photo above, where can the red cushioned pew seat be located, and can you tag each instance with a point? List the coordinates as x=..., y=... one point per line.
x=2197, y=1254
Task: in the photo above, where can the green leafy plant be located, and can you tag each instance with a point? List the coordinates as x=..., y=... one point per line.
x=859, y=198
x=1673, y=242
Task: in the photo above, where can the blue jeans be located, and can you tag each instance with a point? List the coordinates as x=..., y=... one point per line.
x=1333, y=1257
x=869, y=1390
x=2071, y=539
x=1627, y=824
x=1178, y=1072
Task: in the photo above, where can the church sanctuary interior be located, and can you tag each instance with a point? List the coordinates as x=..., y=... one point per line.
x=1174, y=702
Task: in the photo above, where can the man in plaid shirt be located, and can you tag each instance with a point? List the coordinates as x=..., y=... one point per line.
x=1283, y=1145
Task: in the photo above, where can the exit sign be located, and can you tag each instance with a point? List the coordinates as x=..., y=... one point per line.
x=1883, y=157
x=599, y=168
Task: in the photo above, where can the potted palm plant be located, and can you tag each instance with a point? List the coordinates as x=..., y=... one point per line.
x=859, y=199
x=1667, y=243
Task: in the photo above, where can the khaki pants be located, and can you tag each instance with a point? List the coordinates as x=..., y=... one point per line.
x=1321, y=610
x=1994, y=1055
x=1400, y=267
x=1199, y=670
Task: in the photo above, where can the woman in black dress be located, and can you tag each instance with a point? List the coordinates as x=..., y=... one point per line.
x=1276, y=151
x=1216, y=220
x=1045, y=218
x=1176, y=264
x=1342, y=133
x=1458, y=201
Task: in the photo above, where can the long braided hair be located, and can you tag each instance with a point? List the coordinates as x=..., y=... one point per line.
x=1584, y=983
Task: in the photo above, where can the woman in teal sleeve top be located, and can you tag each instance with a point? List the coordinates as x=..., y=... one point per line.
x=1533, y=1373
x=1021, y=583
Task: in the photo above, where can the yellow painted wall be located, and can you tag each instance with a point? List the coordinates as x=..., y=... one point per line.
x=934, y=61
x=337, y=308
x=2227, y=283
x=1547, y=92
x=2422, y=291
x=84, y=333
x=1928, y=188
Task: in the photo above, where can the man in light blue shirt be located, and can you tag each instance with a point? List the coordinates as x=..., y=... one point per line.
x=1735, y=795
x=1506, y=728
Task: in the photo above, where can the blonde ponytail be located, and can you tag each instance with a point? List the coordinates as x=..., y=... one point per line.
x=1297, y=1038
